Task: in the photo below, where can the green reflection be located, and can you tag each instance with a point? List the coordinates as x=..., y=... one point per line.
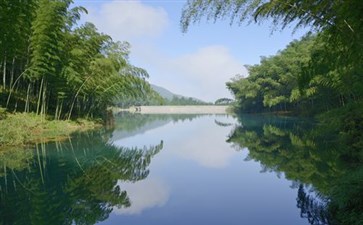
x=316, y=157
x=71, y=182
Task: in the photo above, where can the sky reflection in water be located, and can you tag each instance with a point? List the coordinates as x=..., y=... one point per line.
x=199, y=178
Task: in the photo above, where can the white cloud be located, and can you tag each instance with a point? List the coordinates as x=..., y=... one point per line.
x=209, y=69
x=144, y=194
x=124, y=20
x=208, y=149
x=202, y=74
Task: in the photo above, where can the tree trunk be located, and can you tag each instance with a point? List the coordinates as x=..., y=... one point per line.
x=12, y=72
x=56, y=109
x=60, y=110
x=40, y=95
x=16, y=102
x=43, y=110
x=26, y=109
x=12, y=87
x=4, y=73
x=342, y=100
x=75, y=97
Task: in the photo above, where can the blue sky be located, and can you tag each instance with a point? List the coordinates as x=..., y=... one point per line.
x=197, y=63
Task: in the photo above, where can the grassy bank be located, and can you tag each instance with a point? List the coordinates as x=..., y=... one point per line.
x=20, y=129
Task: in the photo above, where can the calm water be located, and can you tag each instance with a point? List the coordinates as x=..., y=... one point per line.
x=172, y=169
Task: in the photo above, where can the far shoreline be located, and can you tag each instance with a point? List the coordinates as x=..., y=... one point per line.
x=179, y=109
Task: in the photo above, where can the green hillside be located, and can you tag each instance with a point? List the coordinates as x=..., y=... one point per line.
x=165, y=93
x=175, y=99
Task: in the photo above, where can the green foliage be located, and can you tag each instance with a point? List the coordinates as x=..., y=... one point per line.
x=74, y=182
x=3, y=113
x=149, y=98
x=176, y=100
x=50, y=65
x=299, y=79
x=223, y=101
x=347, y=205
x=346, y=123
x=288, y=145
x=327, y=155
x=274, y=83
x=317, y=73
x=342, y=18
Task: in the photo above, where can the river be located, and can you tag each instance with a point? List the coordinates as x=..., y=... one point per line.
x=174, y=169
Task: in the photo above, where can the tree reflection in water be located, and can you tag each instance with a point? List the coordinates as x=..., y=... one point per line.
x=309, y=155
x=311, y=208
x=72, y=182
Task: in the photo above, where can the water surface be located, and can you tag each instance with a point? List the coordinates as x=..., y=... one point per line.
x=172, y=169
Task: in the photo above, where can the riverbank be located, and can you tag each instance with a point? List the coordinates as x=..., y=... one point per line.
x=20, y=129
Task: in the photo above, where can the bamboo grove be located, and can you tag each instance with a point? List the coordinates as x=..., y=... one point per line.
x=50, y=65
x=320, y=72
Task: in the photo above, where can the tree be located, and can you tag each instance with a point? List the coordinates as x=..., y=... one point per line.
x=223, y=101
x=46, y=44
x=15, y=18
x=321, y=15
x=334, y=63
x=310, y=154
x=75, y=182
x=274, y=84
x=50, y=66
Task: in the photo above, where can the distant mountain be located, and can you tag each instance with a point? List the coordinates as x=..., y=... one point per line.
x=165, y=93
